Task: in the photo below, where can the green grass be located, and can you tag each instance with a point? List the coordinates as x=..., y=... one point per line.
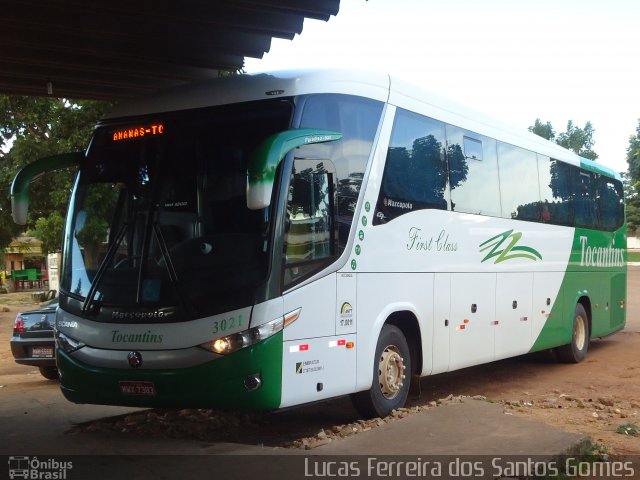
x=633, y=256
x=17, y=298
x=628, y=429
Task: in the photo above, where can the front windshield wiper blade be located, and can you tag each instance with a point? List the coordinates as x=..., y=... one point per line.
x=164, y=251
x=111, y=252
x=168, y=263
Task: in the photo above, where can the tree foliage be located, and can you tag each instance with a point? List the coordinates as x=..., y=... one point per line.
x=580, y=140
x=632, y=182
x=544, y=130
x=576, y=139
x=632, y=199
x=33, y=128
x=633, y=155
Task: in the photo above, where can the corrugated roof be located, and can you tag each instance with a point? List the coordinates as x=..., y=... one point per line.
x=116, y=49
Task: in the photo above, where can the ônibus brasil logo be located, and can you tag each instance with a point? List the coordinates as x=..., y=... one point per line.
x=510, y=251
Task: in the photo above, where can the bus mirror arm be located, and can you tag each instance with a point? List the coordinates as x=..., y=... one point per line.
x=267, y=156
x=22, y=180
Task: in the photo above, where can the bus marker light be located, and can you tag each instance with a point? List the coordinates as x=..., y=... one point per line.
x=461, y=327
x=351, y=344
x=292, y=316
x=466, y=320
x=495, y=322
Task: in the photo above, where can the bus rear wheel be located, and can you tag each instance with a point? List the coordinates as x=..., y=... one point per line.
x=576, y=351
x=391, y=376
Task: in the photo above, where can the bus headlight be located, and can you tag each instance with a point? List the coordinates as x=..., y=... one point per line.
x=246, y=338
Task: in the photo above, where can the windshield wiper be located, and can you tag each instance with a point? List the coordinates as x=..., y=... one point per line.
x=111, y=252
x=168, y=263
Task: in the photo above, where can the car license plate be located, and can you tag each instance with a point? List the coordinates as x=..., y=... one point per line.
x=137, y=388
x=42, y=352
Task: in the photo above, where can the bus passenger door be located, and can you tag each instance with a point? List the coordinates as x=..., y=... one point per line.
x=472, y=322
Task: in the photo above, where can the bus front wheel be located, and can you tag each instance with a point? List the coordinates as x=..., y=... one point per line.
x=391, y=376
x=576, y=351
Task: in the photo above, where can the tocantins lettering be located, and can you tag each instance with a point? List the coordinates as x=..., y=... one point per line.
x=440, y=243
x=600, y=256
x=146, y=337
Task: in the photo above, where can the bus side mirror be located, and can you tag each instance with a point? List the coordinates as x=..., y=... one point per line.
x=265, y=160
x=22, y=180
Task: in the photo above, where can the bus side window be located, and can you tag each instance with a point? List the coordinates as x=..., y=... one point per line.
x=610, y=204
x=415, y=174
x=555, y=191
x=584, y=193
x=520, y=195
x=473, y=172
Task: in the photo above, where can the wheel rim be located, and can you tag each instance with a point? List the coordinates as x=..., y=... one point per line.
x=391, y=371
x=580, y=332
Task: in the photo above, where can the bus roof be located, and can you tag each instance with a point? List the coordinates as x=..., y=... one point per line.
x=260, y=86
x=376, y=85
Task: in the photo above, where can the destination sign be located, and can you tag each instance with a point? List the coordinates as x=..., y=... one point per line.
x=138, y=132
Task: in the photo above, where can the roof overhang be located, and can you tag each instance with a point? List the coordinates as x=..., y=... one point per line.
x=117, y=49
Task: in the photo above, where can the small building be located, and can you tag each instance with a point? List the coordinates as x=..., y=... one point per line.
x=25, y=263
x=23, y=253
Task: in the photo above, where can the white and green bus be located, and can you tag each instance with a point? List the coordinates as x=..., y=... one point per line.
x=263, y=241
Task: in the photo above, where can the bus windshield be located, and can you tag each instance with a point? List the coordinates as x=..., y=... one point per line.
x=158, y=217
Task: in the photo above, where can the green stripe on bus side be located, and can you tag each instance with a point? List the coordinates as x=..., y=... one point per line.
x=597, y=274
x=219, y=383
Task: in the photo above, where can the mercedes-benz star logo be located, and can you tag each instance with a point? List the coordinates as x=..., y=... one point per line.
x=135, y=359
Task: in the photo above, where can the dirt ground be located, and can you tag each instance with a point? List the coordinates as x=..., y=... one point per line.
x=596, y=397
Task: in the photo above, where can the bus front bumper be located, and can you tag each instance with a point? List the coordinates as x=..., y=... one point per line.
x=226, y=382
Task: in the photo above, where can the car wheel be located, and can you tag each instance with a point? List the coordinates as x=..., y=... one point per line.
x=50, y=373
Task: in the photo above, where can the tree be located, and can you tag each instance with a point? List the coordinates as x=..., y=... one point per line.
x=632, y=200
x=544, y=130
x=633, y=155
x=32, y=128
x=632, y=182
x=579, y=140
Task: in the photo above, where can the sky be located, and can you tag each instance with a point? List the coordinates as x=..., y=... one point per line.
x=516, y=60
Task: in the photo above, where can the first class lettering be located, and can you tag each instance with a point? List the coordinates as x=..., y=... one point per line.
x=138, y=132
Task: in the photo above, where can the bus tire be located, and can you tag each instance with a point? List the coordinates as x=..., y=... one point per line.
x=576, y=351
x=391, y=376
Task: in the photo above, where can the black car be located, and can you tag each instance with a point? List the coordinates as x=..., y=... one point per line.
x=33, y=343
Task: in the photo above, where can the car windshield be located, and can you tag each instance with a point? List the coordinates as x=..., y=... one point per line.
x=158, y=216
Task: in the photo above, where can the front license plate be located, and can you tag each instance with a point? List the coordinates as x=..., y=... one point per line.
x=42, y=352
x=137, y=388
